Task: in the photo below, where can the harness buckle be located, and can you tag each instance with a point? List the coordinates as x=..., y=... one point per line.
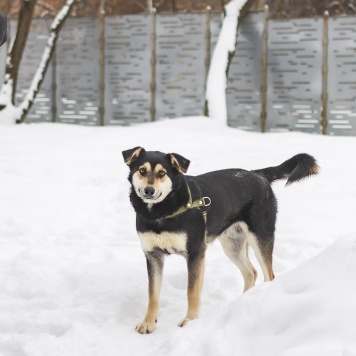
x=206, y=201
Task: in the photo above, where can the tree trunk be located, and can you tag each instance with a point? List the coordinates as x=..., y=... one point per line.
x=37, y=81
x=221, y=58
x=23, y=27
x=9, y=113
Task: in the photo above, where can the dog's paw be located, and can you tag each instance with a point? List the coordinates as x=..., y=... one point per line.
x=145, y=327
x=184, y=322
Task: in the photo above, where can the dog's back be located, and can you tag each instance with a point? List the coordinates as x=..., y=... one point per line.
x=236, y=195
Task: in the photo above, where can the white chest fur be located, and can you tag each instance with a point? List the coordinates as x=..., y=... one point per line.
x=166, y=241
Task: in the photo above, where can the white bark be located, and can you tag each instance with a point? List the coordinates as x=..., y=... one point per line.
x=216, y=82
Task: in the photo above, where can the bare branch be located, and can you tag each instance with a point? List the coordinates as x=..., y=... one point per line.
x=48, y=7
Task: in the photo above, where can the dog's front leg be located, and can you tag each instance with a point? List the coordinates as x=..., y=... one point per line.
x=155, y=262
x=195, y=283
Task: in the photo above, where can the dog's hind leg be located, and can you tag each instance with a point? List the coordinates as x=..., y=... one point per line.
x=263, y=251
x=263, y=248
x=235, y=246
x=155, y=262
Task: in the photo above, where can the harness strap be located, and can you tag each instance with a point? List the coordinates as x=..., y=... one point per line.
x=199, y=203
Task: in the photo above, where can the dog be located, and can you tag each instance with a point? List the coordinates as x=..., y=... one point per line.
x=181, y=214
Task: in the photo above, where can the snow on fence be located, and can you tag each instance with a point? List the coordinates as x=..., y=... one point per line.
x=297, y=74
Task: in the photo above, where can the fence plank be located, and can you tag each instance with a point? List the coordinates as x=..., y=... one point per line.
x=243, y=94
x=36, y=42
x=102, y=66
x=207, y=53
x=294, y=75
x=127, y=74
x=78, y=72
x=324, y=94
x=180, y=65
x=153, y=65
x=342, y=77
x=264, y=71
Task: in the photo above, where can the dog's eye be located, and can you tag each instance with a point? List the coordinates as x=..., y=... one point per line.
x=143, y=171
x=161, y=174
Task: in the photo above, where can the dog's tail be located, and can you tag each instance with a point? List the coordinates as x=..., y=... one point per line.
x=294, y=169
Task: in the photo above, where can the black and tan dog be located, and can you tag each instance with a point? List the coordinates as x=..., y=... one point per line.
x=180, y=214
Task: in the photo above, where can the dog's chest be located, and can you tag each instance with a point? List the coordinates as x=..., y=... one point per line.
x=166, y=241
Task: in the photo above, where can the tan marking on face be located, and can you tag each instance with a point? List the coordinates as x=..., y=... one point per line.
x=176, y=164
x=146, y=177
x=133, y=156
x=158, y=179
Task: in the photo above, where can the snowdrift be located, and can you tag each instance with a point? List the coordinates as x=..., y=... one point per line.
x=73, y=276
x=307, y=311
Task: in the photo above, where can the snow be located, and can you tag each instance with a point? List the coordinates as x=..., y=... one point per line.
x=216, y=82
x=73, y=275
x=10, y=112
x=61, y=15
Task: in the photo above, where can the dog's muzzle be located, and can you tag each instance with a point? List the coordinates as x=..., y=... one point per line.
x=149, y=192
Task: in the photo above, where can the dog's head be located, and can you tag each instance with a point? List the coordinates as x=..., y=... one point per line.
x=152, y=173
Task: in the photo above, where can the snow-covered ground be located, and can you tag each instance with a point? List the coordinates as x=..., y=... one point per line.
x=73, y=276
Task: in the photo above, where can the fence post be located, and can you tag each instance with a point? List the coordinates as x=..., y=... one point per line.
x=207, y=53
x=324, y=95
x=153, y=65
x=264, y=72
x=102, y=65
x=54, y=84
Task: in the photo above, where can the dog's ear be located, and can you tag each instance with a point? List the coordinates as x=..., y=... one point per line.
x=180, y=163
x=132, y=154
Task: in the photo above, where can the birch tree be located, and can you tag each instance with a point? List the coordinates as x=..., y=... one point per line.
x=9, y=113
x=217, y=77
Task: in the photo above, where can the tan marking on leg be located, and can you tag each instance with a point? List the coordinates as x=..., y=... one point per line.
x=235, y=247
x=264, y=257
x=195, y=283
x=248, y=259
x=148, y=325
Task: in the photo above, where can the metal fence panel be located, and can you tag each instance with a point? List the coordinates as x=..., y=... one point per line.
x=243, y=94
x=180, y=65
x=127, y=69
x=294, y=75
x=78, y=72
x=294, y=71
x=3, y=49
x=35, y=45
x=215, y=26
x=342, y=76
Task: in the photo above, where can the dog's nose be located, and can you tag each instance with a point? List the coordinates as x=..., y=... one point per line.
x=149, y=191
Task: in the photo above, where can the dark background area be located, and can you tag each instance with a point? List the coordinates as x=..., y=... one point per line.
x=277, y=8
